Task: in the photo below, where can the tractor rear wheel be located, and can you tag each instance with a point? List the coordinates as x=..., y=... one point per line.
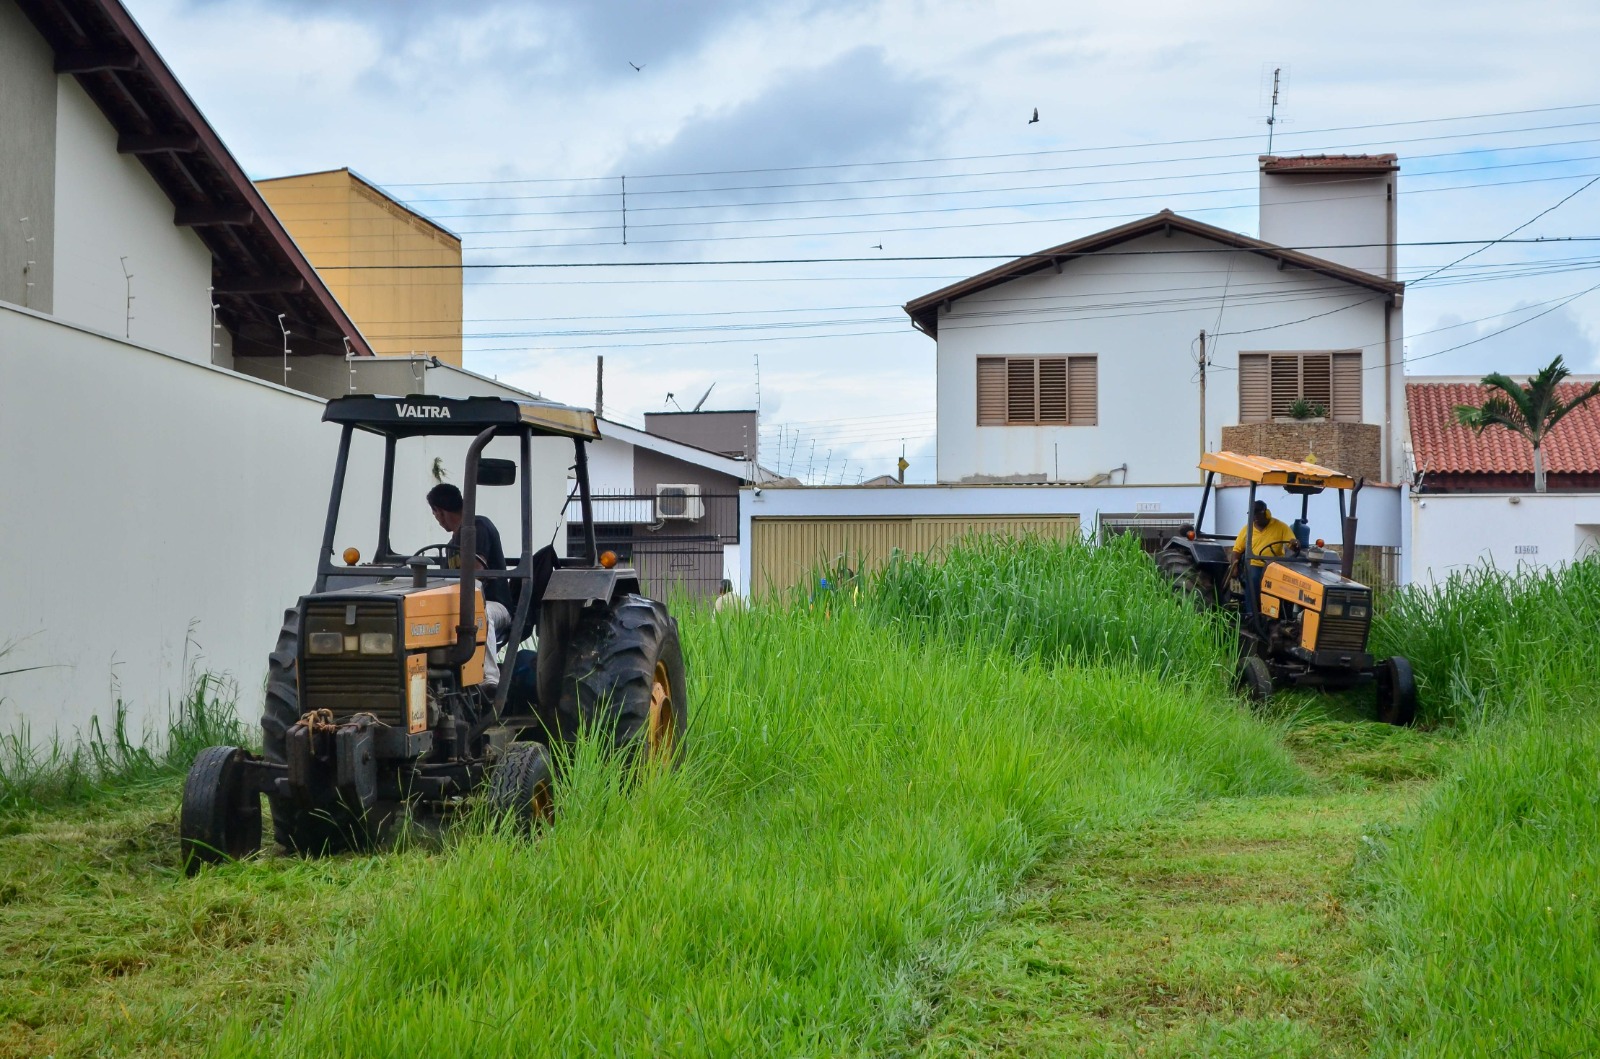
x=220, y=820
x=1189, y=581
x=623, y=676
x=523, y=785
x=1255, y=678
x=1396, y=689
x=330, y=829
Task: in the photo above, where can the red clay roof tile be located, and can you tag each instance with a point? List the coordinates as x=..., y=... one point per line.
x=1323, y=163
x=1442, y=446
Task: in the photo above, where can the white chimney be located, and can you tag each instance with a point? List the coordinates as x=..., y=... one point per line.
x=1335, y=206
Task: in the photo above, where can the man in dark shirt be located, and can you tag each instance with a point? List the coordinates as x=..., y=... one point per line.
x=447, y=505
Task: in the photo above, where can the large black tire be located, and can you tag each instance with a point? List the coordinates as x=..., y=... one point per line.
x=1396, y=691
x=623, y=677
x=325, y=829
x=220, y=820
x=1188, y=579
x=523, y=786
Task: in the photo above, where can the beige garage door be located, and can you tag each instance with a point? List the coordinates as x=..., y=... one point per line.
x=785, y=551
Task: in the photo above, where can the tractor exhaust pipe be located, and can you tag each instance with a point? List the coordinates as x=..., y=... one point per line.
x=467, y=625
x=1347, y=557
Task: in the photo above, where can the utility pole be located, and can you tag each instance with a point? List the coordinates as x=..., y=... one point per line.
x=599, y=385
x=1202, y=400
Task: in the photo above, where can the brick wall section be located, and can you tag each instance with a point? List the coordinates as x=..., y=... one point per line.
x=1349, y=448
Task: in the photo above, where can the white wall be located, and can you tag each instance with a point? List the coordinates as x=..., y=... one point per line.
x=1456, y=531
x=1142, y=315
x=162, y=514
x=1342, y=217
x=107, y=207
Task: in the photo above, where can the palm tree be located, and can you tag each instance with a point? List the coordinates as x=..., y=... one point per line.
x=1532, y=410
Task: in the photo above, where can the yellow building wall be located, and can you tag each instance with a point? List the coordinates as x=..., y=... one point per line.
x=352, y=233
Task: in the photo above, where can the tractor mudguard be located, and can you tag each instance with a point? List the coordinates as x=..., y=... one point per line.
x=583, y=584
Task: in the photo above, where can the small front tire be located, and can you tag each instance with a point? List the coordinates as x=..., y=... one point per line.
x=1255, y=678
x=1396, y=691
x=523, y=786
x=220, y=820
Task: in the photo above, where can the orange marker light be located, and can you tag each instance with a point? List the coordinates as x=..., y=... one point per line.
x=1319, y=543
x=352, y=556
x=1190, y=534
x=608, y=559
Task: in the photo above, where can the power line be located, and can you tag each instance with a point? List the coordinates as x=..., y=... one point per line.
x=1566, y=199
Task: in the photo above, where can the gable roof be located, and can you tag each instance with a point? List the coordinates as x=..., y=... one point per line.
x=744, y=470
x=924, y=311
x=257, y=271
x=1441, y=446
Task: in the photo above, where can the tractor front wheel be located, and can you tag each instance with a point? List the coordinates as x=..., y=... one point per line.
x=220, y=820
x=624, y=678
x=522, y=786
x=1396, y=689
x=1255, y=678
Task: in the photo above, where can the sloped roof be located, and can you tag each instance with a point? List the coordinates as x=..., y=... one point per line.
x=1439, y=445
x=257, y=270
x=924, y=311
x=1330, y=163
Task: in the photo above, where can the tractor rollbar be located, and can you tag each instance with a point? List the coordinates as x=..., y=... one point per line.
x=467, y=626
x=328, y=528
x=1347, y=530
x=525, y=600
x=587, y=503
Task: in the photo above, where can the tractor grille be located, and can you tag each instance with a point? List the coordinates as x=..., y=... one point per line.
x=1344, y=633
x=351, y=683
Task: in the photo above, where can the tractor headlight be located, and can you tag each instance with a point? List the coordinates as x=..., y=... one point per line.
x=1335, y=610
x=325, y=643
x=1358, y=612
x=377, y=643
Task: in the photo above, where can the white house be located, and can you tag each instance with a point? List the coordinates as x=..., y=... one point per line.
x=166, y=477
x=1120, y=356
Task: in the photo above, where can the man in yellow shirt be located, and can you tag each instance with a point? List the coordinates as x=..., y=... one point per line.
x=1271, y=539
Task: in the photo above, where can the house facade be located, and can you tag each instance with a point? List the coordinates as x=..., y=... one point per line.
x=1472, y=502
x=1121, y=356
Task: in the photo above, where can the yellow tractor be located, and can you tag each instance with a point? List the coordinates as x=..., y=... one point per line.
x=1303, y=620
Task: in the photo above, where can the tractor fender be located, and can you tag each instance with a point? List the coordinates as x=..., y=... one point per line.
x=586, y=584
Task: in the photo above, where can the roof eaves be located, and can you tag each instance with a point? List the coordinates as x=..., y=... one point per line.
x=678, y=450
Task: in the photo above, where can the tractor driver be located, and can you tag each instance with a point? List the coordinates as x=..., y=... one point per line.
x=445, y=500
x=1271, y=539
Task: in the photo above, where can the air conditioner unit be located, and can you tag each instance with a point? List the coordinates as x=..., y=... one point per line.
x=679, y=502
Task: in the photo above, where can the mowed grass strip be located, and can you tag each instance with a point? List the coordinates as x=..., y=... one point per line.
x=852, y=809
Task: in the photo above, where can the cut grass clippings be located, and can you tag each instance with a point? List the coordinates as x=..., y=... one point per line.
x=852, y=810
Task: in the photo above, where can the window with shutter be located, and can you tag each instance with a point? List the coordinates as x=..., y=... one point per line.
x=1285, y=382
x=1083, y=389
x=1053, y=389
x=991, y=391
x=1255, y=391
x=1021, y=390
x=1346, y=403
x=1316, y=380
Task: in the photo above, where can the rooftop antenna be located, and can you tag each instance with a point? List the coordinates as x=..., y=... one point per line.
x=286, y=334
x=599, y=385
x=703, y=397
x=27, y=264
x=127, y=306
x=350, y=361
x=1272, y=115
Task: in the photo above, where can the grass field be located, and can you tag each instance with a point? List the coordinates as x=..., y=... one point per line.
x=913, y=822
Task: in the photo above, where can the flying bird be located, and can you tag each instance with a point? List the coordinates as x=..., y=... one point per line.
x=1035, y=116
x=878, y=246
x=640, y=69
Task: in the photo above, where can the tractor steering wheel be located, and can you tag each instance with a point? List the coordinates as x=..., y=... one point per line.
x=441, y=560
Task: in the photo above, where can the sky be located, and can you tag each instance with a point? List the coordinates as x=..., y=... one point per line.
x=777, y=158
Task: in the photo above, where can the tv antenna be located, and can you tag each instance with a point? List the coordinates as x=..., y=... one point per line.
x=1272, y=114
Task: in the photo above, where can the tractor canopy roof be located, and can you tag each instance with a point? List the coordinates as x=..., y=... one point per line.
x=418, y=414
x=1263, y=470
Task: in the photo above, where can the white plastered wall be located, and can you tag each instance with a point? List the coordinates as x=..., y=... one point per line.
x=162, y=516
x=1454, y=532
x=1142, y=314
x=107, y=207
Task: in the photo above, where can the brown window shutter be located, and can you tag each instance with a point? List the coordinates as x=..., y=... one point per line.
x=1316, y=380
x=991, y=391
x=1255, y=391
x=1083, y=391
x=1021, y=390
x=1053, y=389
x=1346, y=403
x=1285, y=382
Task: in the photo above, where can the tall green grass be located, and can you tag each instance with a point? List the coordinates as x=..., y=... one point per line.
x=855, y=805
x=1051, y=601
x=1488, y=644
x=38, y=774
x=1488, y=911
